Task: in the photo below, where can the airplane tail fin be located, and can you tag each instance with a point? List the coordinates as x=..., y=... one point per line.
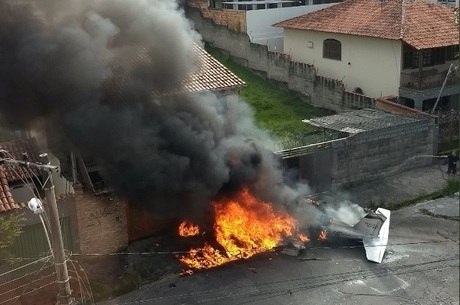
x=375, y=228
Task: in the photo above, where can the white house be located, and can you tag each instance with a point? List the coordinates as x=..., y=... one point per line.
x=374, y=46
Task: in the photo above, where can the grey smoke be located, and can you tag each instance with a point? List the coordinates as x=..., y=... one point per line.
x=77, y=64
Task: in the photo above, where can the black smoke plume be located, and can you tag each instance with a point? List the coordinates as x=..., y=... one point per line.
x=90, y=67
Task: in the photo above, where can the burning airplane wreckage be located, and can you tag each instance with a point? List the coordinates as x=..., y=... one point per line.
x=78, y=67
x=245, y=226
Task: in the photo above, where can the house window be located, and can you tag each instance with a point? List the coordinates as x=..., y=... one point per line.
x=427, y=58
x=332, y=49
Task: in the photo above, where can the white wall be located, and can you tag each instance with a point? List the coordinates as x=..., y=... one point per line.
x=259, y=23
x=372, y=64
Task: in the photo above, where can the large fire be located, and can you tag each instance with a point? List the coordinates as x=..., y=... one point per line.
x=244, y=226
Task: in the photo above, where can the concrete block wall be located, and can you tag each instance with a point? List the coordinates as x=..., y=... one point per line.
x=101, y=222
x=365, y=156
x=369, y=155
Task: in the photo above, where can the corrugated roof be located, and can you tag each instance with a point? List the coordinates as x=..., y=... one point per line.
x=420, y=24
x=15, y=150
x=360, y=120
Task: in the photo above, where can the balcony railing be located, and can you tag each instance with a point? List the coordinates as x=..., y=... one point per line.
x=427, y=79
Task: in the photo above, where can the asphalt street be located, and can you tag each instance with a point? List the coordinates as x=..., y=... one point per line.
x=420, y=266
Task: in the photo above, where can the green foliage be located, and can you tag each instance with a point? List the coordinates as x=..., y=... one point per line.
x=452, y=187
x=10, y=228
x=278, y=110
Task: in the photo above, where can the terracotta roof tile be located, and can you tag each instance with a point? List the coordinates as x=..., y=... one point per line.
x=209, y=74
x=15, y=150
x=6, y=200
x=422, y=25
x=429, y=25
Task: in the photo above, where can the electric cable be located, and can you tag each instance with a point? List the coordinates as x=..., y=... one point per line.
x=26, y=293
x=87, y=279
x=88, y=290
x=21, y=277
x=26, y=265
x=33, y=273
x=327, y=280
x=273, y=250
x=28, y=283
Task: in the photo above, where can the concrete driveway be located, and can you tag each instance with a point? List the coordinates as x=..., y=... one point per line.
x=421, y=266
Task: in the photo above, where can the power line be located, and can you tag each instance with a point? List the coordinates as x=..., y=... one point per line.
x=21, y=277
x=26, y=265
x=28, y=283
x=320, y=281
x=35, y=289
x=273, y=250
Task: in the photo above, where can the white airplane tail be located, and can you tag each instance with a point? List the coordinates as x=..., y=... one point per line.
x=375, y=228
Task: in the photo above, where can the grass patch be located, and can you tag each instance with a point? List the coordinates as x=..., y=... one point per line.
x=277, y=110
x=452, y=187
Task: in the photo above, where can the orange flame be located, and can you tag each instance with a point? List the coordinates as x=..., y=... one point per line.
x=187, y=229
x=303, y=237
x=322, y=235
x=244, y=226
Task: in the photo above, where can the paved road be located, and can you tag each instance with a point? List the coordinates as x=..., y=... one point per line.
x=419, y=267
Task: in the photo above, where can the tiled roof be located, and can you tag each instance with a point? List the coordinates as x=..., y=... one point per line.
x=429, y=25
x=15, y=149
x=209, y=74
x=420, y=24
x=6, y=198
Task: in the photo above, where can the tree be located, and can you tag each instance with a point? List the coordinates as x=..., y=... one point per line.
x=10, y=228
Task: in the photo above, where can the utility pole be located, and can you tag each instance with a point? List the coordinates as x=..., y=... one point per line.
x=60, y=263
x=451, y=69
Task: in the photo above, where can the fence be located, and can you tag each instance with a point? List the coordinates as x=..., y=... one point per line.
x=32, y=242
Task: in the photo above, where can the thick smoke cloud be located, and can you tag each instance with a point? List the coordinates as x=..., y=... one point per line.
x=90, y=69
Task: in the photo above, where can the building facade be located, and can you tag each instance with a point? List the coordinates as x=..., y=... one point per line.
x=374, y=47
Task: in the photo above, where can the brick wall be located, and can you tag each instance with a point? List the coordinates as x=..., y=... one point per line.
x=385, y=104
x=231, y=19
x=101, y=222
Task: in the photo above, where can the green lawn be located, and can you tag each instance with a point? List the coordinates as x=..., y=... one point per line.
x=278, y=110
